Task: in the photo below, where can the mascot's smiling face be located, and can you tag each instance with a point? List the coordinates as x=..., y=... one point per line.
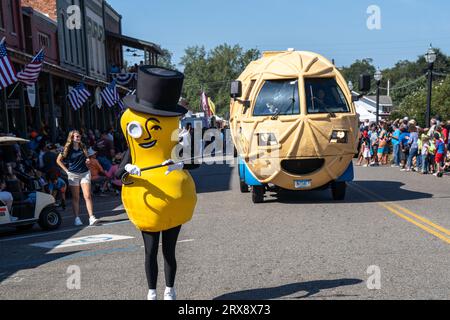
x=150, y=138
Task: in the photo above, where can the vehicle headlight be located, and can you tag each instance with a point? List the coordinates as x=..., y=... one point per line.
x=267, y=139
x=339, y=136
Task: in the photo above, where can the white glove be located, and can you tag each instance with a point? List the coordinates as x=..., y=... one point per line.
x=172, y=166
x=133, y=170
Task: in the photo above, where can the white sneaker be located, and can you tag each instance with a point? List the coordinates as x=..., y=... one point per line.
x=93, y=221
x=170, y=294
x=152, y=295
x=78, y=222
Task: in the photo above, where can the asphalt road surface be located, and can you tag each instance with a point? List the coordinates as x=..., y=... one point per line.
x=390, y=239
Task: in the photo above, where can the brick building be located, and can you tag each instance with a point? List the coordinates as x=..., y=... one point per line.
x=48, y=8
x=84, y=54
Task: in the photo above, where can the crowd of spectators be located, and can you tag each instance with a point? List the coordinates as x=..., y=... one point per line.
x=405, y=145
x=33, y=166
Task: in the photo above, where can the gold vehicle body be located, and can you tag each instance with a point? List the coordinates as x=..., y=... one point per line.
x=299, y=136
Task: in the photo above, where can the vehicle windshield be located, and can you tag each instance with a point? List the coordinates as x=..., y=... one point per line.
x=278, y=97
x=325, y=96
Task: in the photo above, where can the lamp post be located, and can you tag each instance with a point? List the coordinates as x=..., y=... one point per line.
x=430, y=58
x=378, y=77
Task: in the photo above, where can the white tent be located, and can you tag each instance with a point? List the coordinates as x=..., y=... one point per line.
x=364, y=114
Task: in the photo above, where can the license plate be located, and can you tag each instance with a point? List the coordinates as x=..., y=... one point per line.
x=302, y=184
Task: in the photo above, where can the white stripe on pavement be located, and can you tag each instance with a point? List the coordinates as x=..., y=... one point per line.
x=63, y=231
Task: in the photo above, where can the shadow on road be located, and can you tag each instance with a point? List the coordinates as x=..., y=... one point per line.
x=16, y=252
x=386, y=191
x=311, y=288
x=213, y=178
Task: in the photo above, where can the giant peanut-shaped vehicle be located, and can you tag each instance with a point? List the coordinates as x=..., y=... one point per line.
x=294, y=125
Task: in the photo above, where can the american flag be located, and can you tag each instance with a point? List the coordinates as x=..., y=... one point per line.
x=78, y=96
x=7, y=72
x=30, y=74
x=111, y=96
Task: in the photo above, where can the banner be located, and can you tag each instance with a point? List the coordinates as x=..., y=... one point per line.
x=31, y=90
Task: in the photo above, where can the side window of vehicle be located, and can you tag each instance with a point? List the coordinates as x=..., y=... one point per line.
x=278, y=97
x=247, y=95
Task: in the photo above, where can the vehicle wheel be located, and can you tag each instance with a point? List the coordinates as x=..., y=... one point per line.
x=338, y=190
x=244, y=187
x=258, y=194
x=50, y=219
x=25, y=227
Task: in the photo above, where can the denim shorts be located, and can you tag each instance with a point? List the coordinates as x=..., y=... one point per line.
x=77, y=179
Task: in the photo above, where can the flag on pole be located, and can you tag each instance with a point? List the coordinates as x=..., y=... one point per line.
x=78, y=96
x=7, y=72
x=205, y=105
x=30, y=73
x=212, y=107
x=124, y=79
x=111, y=96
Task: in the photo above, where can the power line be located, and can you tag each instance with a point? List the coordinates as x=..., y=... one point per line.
x=406, y=85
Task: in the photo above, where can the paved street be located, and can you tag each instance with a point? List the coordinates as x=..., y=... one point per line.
x=302, y=246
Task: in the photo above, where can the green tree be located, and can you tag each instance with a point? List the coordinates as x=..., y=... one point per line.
x=406, y=72
x=414, y=105
x=165, y=60
x=359, y=67
x=213, y=72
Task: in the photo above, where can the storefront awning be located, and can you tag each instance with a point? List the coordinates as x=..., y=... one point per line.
x=135, y=43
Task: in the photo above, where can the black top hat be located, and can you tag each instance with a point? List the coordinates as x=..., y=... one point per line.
x=158, y=92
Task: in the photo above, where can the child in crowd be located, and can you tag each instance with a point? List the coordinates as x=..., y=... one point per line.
x=111, y=174
x=425, y=142
x=431, y=156
x=57, y=187
x=440, y=154
x=367, y=152
x=447, y=162
x=382, y=146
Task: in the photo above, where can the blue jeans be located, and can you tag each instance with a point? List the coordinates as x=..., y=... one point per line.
x=412, y=153
x=425, y=164
x=419, y=162
x=397, y=154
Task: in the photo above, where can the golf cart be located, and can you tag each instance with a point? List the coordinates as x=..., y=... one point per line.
x=31, y=206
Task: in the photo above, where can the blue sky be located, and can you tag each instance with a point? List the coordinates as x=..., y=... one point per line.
x=335, y=28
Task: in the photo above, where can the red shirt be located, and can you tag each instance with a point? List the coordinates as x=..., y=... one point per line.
x=445, y=135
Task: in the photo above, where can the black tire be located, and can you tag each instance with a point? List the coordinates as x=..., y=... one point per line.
x=258, y=194
x=338, y=190
x=25, y=227
x=244, y=187
x=50, y=219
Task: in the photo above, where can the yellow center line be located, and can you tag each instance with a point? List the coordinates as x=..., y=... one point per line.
x=424, y=227
x=425, y=220
x=394, y=208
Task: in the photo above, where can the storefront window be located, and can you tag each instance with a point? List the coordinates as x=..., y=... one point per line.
x=2, y=25
x=11, y=12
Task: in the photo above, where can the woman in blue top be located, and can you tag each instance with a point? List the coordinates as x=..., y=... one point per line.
x=75, y=156
x=413, y=147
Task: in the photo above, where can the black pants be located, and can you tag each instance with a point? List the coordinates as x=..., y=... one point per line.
x=169, y=243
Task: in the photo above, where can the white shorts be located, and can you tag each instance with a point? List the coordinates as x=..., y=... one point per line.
x=77, y=179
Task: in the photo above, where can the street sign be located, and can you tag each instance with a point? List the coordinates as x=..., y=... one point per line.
x=83, y=241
